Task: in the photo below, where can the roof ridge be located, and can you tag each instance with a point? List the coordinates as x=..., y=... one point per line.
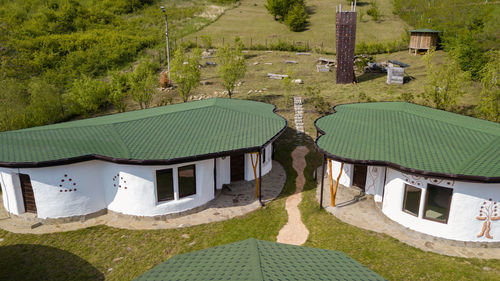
x=259, y=260
x=34, y=129
x=122, y=142
x=474, y=128
x=476, y=155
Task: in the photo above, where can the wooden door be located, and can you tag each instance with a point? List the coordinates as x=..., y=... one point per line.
x=359, y=176
x=27, y=191
x=237, y=167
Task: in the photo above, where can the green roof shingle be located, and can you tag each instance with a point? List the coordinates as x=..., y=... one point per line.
x=253, y=259
x=162, y=134
x=413, y=138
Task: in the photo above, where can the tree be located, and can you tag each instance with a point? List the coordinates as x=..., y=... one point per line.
x=119, y=88
x=489, y=104
x=87, y=95
x=296, y=18
x=275, y=8
x=445, y=82
x=185, y=71
x=45, y=103
x=231, y=65
x=143, y=83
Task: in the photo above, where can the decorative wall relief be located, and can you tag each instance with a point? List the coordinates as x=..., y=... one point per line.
x=373, y=174
x=420, y=181
x=67, y=184
x=488, y=213
x=119, y=182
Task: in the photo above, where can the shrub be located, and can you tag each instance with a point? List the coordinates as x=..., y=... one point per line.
x=296, y=17
x=313, y=96
x=206, y=40
x=143, y=82
x=87, y=95
x=119, y=88
x=373, y=11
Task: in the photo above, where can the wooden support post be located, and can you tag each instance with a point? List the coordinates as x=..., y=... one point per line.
x=322, y=182
x=337, y=183
x=254, y=166
x=330, y=180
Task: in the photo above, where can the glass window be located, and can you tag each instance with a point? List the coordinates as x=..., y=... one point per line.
x=187, y=180
x=165, y=185
x=411, y=202
x=437, y=205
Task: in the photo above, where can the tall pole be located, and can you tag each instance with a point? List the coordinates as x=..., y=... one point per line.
x=168, y=48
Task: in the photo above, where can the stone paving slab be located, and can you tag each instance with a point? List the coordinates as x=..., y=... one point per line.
x=364, y=213
x=238, y=201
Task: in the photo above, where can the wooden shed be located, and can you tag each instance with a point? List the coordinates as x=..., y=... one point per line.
x=423, y=39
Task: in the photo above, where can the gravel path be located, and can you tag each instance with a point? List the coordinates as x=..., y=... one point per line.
x=295, y=232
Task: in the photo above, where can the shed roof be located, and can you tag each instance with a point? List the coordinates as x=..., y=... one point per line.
x=413, y=138
x=261, y=260
x=162, y=135
x=425, y=30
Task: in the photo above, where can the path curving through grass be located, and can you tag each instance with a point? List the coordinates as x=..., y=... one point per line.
x=295, y=232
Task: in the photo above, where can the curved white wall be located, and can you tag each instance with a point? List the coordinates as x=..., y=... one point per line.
x=87, y=187
x=463, y=223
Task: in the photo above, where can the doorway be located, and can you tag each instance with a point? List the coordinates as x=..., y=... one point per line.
x=359, y=176
x=237, y=167
x=28, y=196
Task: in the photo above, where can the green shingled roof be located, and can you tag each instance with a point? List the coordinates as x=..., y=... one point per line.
x=413, y=138
x=163, y=133
x=261, y=260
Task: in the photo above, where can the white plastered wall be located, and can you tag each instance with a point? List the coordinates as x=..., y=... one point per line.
x=463, y=223
x=127, y=189
x=54, y=189
x=267, y=165
x=139, y=197
x=346, y=177
x=375, y=182
x=223, y=171
x=11, y=191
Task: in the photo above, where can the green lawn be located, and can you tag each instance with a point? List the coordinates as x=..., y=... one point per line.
x=251, y=22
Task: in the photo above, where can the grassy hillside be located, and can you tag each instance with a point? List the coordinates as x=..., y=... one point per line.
x=46, y=45
x=252, y=22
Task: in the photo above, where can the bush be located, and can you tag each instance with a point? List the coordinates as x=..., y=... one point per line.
x=143, y=82
x=119, y=88
x=313, y=96
x=87, y=95
x=206, y=40
x=373, y=11
x=296, y=18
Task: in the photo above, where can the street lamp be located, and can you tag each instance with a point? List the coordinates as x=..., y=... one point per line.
x=168, y=49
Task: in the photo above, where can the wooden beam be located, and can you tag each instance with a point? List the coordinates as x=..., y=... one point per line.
x=337, y=183
x=331, y=180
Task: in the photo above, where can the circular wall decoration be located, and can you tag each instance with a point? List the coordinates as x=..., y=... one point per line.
x=67, y=184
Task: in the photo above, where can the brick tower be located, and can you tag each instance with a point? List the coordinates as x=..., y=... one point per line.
x=345, y=43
